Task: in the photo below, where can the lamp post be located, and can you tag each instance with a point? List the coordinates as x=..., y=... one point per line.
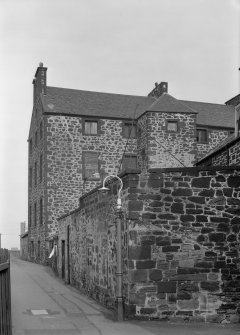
x=119, y=272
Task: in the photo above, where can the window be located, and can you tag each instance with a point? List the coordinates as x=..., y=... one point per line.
x=202, y=135
x=30, y=146
x=91, y=166
x=35, y=174
x=30, y=216
x=129, y=161
x=129, y=130
x=35, y=214
x=90, y=127
x=36, y=138
x=40, y=168
x=40, y=131
x=172, y=126
x=30, y=177
x=41, y=211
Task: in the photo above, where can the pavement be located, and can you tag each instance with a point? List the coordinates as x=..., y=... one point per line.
x=43, y=305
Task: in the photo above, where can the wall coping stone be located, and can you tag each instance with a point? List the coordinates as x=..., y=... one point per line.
x=124, y=173
x=194, y=169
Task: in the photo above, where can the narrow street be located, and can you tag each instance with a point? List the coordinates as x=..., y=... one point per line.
x=43, y=305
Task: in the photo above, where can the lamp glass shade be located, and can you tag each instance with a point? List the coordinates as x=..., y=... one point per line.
x=103, y=189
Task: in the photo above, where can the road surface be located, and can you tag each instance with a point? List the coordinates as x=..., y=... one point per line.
x=43, y=305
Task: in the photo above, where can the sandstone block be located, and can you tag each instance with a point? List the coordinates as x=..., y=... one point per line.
x=217, y=237
x=134, y=205
x=233, y=181
x=149, y=264
x=197, y=200
x=177, y=208
x=183, y=192
x=140, y=252
x=210, y=286
x=203, y=182
x=155, y=275
x=138, y=276
x=167, y=287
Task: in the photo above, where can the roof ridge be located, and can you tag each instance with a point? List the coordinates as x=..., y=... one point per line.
x=207, y=103
x=110, y=93
x=177, y=101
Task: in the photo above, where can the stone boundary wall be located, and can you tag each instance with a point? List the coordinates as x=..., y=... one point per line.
x=92, y=244
x=180, y=244
x=184, y=245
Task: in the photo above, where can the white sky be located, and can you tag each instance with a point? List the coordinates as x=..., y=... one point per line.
x=119, y=46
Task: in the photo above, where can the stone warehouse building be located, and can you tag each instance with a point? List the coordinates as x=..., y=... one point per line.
x=77, y=137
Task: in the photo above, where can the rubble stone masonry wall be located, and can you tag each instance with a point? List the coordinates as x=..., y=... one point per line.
x=228, y=156
x=66, y=144
x=37, y=187
x=180, y=244
x=92, y=244
x=184, y=245
x=169, y=148
x=215, y=137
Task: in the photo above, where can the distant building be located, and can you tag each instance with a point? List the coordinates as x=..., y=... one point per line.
x=24, y=246
x=22, y=227
x=77, y=137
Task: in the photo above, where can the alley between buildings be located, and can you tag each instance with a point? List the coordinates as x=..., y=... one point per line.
x=43, y=305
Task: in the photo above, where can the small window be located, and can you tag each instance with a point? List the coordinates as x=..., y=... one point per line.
x=35, y=174
x=172, y=126
x=30, y=216
x=36, y=139
x=202, y=135
x=35, y=214
x=40, y=168
x=30, y=146
x=41, y=211
x=129, y=161
x=90, y=127
x=129, y=130
x=91, y=166
x=40, y=131
x=30, y=177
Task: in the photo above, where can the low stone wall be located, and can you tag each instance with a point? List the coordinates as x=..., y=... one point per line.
x=180, y=244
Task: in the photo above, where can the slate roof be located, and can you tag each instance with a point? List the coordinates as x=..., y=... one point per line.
x=69, y=101
x=110, y=105
x=213, y=114
x=167, y=103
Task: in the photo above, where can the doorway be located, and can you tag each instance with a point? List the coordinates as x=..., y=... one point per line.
x=63, y=259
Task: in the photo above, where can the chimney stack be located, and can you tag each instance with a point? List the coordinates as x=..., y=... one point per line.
x=39, y=81
x=159, y=89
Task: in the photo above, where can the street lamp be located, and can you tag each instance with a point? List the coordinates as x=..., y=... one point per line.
x=119, y=273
